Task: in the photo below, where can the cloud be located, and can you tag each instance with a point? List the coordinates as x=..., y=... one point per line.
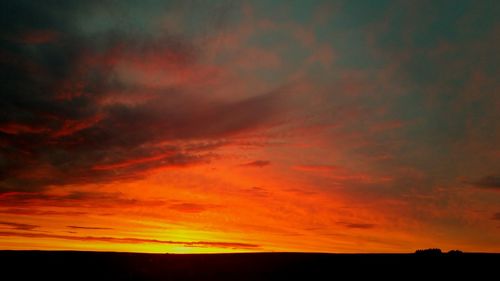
x=496, y=216
x=301, y=191
x=88, y=228
x=356, y=225
x=19, y=226
x=96, y=103
x=487, y=182
x=257, y=163
x=216, y=244
x=256, y=191
x=18, y=203
x=73, y=199
x=190, y=207
x=70, y=127
x=315, y=168
x=36, y=212
x=14, y=129
x=339, y=174
x=40, y=36
x=131, y=162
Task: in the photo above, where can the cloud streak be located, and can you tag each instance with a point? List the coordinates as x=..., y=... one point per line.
x=18, y=226
x=72, y=199
x=256, y=163
x=88, y=227
x=315, y=168
x=186, y=207
x=488, y=182
x=202, y=244
x=356, y=225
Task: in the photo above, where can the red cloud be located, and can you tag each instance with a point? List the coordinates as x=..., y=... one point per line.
x=356, y=225
x=131, y=162
x=257, y=163
x=73, y=199
x=38, y=36
x=18, y=226
x=189, y=207
x=70, y=127
x=17, y=128
x=216, y=244
x=315, y=168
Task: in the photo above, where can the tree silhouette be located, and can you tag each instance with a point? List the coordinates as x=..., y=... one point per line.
x=430, y=251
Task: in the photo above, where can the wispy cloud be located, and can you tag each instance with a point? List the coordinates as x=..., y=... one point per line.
x=37, y=212
x=315, y=168
x=356, y=225
x=18, y=226
x=487, y=182
x=88, y=227
x=256, y=163
x=216, y=244
x=71, y=199
x=186, y=207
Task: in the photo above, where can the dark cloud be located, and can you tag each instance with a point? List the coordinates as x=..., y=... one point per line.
x=190, y=207
x=316, y=168
x=496, y=216
x=35, y=212
x=487, y=182
x=133, y=240
x=17, y=203
x=357, y=225
x=18, y=226
x=73, y=199
x=81, y=107
x=88, y=228
x=256, y=191
x=257, y=163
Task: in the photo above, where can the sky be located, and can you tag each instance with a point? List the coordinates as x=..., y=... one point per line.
x=235, y=126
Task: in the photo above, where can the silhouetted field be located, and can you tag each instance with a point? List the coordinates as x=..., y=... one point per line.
x=68, y=265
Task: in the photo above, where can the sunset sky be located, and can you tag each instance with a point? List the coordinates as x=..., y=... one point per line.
x=222, y=126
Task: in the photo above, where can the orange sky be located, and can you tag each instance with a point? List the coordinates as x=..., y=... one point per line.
x=313, y=126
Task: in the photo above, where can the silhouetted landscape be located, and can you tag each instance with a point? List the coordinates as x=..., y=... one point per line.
x=71, y=265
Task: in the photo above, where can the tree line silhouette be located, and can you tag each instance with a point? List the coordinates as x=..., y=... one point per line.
x=437, y=251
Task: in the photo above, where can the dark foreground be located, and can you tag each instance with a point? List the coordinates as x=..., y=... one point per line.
x=48, y=265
